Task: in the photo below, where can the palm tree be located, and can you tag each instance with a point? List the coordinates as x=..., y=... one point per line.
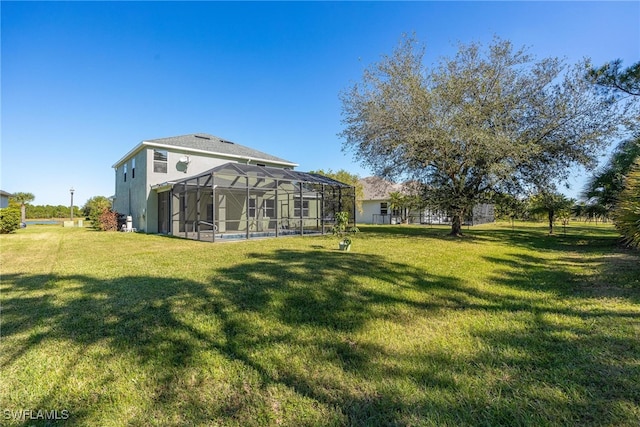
x=23, y=199
x=552, y=203
x=605, y=185
x=626, y=214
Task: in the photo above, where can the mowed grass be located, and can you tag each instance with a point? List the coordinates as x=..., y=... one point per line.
x=502, y=327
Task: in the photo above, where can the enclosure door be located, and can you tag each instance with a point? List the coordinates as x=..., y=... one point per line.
x=163, y=212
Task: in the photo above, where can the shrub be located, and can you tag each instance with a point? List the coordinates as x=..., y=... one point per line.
x=94, y=207
x=9, y=219
x=107, y=220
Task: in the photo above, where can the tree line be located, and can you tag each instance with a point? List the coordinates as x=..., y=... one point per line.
x=97, y=210
x=51, y=211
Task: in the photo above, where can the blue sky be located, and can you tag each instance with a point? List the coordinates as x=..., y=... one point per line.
x=84, y=82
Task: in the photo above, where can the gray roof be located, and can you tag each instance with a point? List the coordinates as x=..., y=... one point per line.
x=205, y=143
x=214, y=144
x=4, y=193
x=375, y=188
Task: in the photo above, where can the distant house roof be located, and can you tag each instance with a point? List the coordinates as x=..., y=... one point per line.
x=208, y=144
x=5, y=194
x=376, y=188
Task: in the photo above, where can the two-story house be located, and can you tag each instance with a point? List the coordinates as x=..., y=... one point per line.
x=205, y=187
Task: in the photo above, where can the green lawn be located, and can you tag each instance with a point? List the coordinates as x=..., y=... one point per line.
x=502, y=327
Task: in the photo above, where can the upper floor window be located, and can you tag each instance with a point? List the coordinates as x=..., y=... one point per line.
x=160, y=161
x=133, y=168
x=125, y=172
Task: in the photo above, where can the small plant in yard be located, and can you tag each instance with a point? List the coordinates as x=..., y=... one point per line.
x=342, y=230
x=565, y=218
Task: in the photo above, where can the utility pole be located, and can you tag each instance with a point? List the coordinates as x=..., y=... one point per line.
x=71, y=203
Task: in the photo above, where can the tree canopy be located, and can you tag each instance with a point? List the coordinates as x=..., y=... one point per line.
x=347, y=178
x=612, y=76
x=488, y=119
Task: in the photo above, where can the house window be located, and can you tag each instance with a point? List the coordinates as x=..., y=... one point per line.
x=125, y=172
x=296, y=208
x=160, y=161
x=269, y=208
x=383, y=208
x=133, y=168
x=252, y=207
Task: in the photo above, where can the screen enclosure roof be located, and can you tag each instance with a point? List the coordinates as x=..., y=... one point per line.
x=255, y=171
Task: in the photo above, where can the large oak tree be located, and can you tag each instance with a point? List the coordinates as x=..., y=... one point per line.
x=485, y=120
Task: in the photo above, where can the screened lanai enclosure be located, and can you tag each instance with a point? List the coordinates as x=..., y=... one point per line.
x=237, y=201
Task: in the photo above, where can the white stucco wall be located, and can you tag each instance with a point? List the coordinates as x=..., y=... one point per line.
x=132, y=194
x=369, y=208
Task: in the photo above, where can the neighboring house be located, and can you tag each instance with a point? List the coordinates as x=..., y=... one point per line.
x=375, y=200
x=376, y=208
x=204, y=187
x=4, y=199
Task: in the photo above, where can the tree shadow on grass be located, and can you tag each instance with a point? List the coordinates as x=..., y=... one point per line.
x=586, y=239
x=277, y=339
x=584, y=311
x=574, y=374
x=579, y=275
x=309, y=302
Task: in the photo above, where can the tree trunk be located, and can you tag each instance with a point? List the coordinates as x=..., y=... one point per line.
x=551, y=215
x=456, y=225
x=23, y=212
